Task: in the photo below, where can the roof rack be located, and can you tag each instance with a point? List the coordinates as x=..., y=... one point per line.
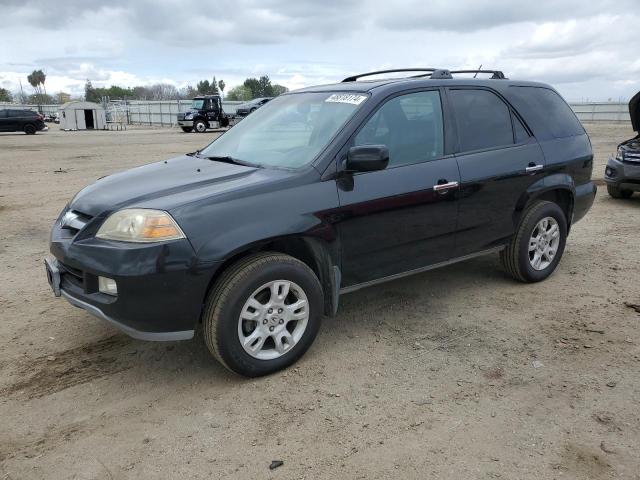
x=495, y=74
x=434, y=73
x=353, y=78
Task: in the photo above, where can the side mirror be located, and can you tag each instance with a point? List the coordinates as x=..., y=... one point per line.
x=367, y=158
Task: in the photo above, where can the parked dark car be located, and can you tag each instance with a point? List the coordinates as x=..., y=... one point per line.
x=251, y=106
x=324, y=191
x=20, y=120
x=622, y=172
x=205, y=112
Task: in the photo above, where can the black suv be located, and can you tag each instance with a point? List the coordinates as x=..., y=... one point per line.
x=321, y=192
x=205, y=112
x=27, y=121
x=622, y=173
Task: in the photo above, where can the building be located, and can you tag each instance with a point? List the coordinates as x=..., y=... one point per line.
x=78, y=115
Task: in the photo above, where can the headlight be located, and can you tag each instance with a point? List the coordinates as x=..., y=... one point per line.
x=188, y=116
x=140, y=225
x=620, y=154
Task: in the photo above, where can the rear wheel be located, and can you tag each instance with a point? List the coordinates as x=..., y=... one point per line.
x=617, y=192
x=187, y=129
x=262, y=314
x=537, y=246
x=200, y=126
x=30, y=129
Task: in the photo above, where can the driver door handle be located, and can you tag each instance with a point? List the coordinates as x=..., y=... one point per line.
x=533, y=168
x=443, y=187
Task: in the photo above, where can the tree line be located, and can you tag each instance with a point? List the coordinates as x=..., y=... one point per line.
x=250, y=88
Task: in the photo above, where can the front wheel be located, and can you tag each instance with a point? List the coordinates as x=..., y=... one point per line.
x=263, y=314
x=200, y=126
x=537, y=246
x=617, y=192
x=187, y=129
x=30, y=129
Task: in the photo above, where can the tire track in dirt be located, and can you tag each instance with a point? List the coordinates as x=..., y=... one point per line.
x=53, y=373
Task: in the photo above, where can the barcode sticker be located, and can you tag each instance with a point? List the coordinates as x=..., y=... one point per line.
x=346, y=98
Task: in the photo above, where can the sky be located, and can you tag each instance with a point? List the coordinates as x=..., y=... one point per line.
x=587, y=49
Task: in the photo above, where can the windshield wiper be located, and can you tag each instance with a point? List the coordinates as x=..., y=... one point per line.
x=193, y=154
x=235, y=161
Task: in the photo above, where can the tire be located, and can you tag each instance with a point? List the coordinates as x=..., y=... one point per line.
x=617, y=192
x=200, y=126
x=229, y=299
x=30, y=129
x=517, y=259
x=187, y=129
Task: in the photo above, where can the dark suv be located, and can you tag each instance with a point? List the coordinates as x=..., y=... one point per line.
x=622, y=173
x=27, y=121
x=321, y=192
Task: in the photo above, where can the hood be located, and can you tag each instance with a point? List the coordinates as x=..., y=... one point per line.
x=166, y=185
x=634, y=111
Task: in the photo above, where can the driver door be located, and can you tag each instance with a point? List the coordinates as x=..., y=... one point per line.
x=404, y=217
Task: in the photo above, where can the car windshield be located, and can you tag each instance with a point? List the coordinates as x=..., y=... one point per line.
x=289, y=131
x=197, y=104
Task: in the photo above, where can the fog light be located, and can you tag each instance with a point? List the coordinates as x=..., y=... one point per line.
x=610, y=172
x=108, y=286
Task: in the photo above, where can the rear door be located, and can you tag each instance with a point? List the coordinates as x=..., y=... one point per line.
x=498, y=160
x=394, y=220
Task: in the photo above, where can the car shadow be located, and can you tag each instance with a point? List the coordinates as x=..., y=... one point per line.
x=188, y=362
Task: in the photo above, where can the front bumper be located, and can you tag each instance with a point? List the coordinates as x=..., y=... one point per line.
x=161, y=287
x=185, y=123
x=623, y=175
x=583, y=200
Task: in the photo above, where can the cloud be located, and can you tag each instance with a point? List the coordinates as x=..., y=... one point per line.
x=586, y=48
x=473, y=15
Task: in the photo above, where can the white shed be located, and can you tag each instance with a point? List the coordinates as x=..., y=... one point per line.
x=78, y=115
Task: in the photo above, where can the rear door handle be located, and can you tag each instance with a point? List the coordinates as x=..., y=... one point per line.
x=443, y=187
x=533, y=168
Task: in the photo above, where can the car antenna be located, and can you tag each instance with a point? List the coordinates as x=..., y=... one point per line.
x=479, y=68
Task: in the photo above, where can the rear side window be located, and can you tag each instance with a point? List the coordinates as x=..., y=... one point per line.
x=545, y=110
x=482, y=118
x=409, y=125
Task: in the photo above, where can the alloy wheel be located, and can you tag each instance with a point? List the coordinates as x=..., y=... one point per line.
x=273, y=319
x=543, y=243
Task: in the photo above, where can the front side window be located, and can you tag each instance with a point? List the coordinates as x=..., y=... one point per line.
x=289, y=131
x=197, y=104
x=410, y=126
x=482, y=118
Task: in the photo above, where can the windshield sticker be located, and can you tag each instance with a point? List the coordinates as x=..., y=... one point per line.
x=346, y=98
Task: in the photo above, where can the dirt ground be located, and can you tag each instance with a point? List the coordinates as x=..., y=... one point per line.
x=458, y=373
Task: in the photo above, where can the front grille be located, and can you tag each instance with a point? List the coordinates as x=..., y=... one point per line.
x=631, y=157
x=74, y=221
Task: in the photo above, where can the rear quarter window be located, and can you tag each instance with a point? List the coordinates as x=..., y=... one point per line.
x=545, y=111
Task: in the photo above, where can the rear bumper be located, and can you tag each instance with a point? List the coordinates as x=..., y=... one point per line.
x=623, y=175
x=583, y=200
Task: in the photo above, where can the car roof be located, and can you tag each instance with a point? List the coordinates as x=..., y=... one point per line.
x=401, y=83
